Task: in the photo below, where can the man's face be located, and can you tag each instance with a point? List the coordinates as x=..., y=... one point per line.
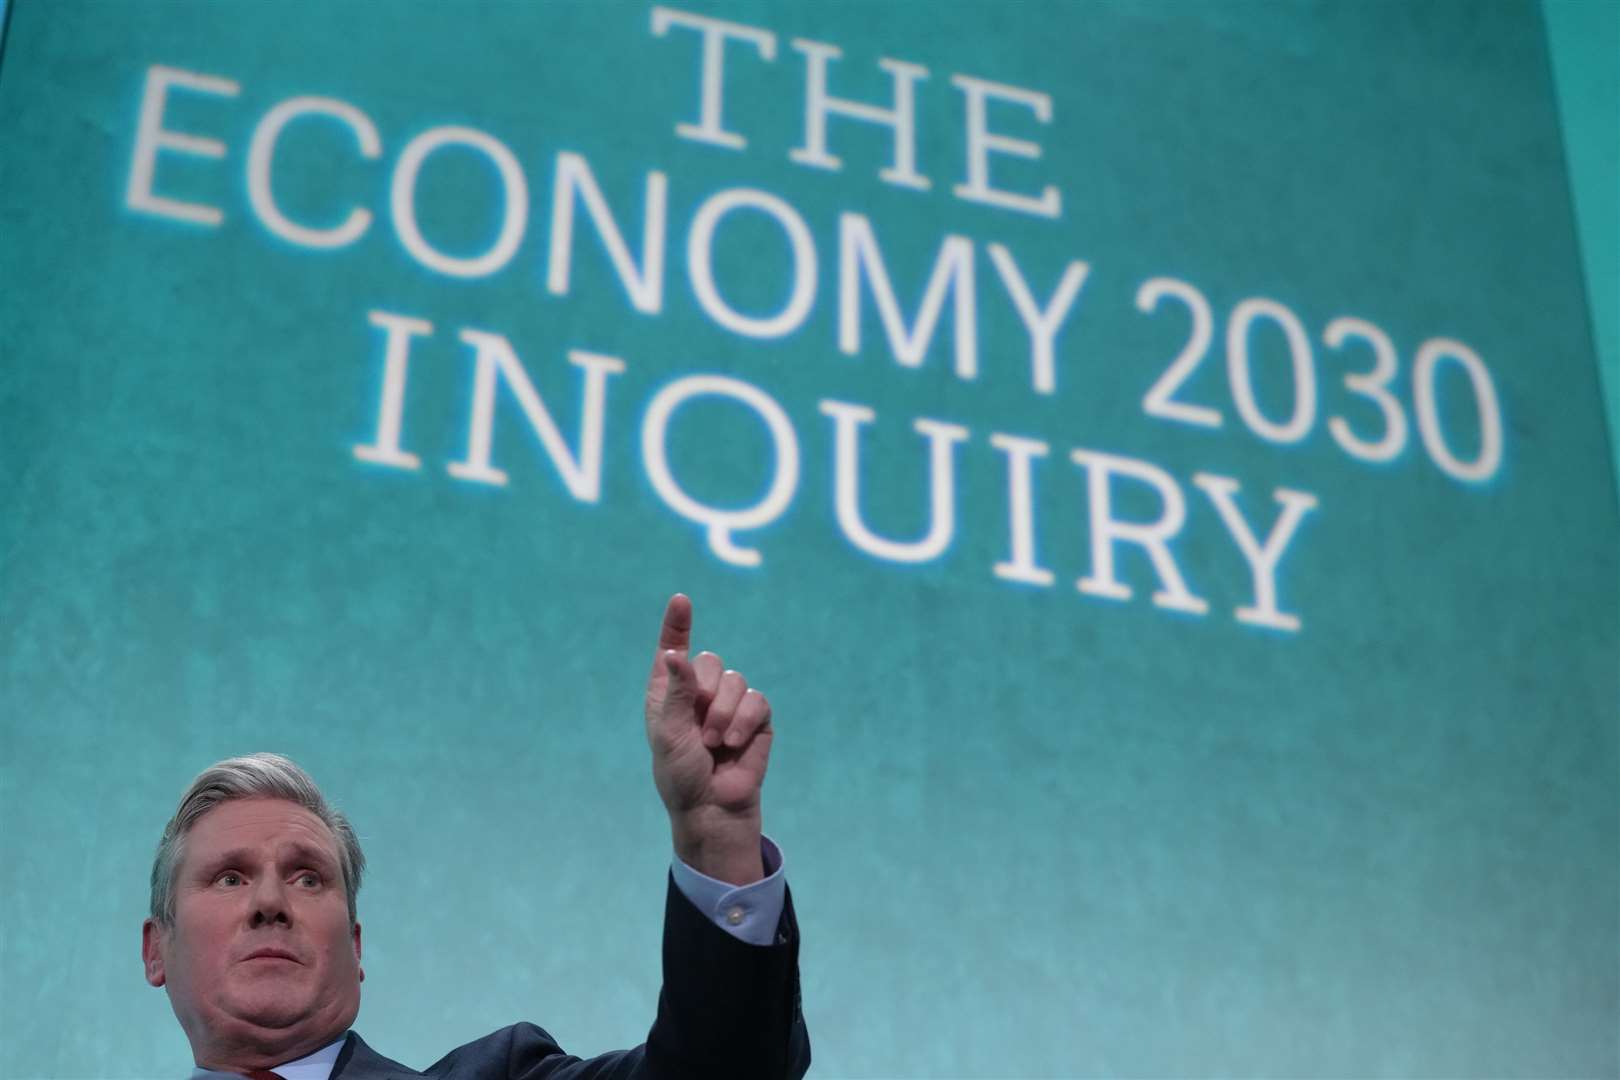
x=261, y=959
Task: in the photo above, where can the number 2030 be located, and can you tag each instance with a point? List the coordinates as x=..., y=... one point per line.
x=1373, y=384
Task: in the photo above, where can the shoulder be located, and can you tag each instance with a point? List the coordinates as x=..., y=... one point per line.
x=497, y=1054
x=507, y=1052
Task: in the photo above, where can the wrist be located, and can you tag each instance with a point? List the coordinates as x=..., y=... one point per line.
x=720, y=845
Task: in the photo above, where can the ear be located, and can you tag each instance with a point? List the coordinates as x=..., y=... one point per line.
x=152, y=951
x=357, y=953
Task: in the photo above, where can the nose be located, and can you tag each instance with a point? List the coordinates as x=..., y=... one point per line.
x=269, y=903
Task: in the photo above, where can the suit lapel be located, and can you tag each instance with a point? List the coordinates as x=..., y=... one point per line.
x=357, y=1061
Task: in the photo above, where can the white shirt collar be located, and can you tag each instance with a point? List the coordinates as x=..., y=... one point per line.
x=316, y=1066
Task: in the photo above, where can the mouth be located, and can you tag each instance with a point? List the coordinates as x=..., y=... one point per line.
x=272, y=954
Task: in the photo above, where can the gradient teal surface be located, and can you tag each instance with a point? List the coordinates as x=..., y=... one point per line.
x=1030, y=832
x=1584, y=40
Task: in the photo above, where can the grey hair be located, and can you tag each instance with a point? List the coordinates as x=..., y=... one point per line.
x=254, y=776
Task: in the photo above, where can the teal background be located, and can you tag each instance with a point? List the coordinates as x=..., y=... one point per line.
x=1029, y=832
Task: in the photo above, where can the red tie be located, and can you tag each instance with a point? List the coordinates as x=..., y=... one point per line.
x=263, y=1074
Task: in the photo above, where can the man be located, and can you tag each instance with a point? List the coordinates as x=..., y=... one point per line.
x=254, y=933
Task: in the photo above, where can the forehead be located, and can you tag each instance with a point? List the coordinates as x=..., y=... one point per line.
x=264, y=825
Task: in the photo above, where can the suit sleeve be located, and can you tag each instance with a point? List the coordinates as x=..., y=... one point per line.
x=727, y=1010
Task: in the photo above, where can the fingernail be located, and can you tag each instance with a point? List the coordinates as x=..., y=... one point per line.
x=734, y=738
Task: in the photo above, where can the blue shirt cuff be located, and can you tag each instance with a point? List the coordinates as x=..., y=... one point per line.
x=746, y=912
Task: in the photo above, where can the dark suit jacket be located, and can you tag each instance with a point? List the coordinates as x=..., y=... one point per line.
x=728, y=1010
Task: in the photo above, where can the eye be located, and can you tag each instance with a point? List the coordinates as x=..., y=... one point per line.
x=229, y=877
x=309, y=879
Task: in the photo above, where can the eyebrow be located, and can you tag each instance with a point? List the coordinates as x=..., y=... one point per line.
x=295, y=852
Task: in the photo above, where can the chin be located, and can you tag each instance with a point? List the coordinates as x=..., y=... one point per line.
x=269, y=1010
x=270, y=1002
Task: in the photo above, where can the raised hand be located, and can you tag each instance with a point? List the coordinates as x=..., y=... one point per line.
x=710, y=735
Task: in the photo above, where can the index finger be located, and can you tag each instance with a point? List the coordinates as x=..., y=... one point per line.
x=676, y=631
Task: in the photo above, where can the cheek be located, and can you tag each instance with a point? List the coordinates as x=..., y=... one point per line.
x=191, y=959
x=337, y=941
x=340, y=948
